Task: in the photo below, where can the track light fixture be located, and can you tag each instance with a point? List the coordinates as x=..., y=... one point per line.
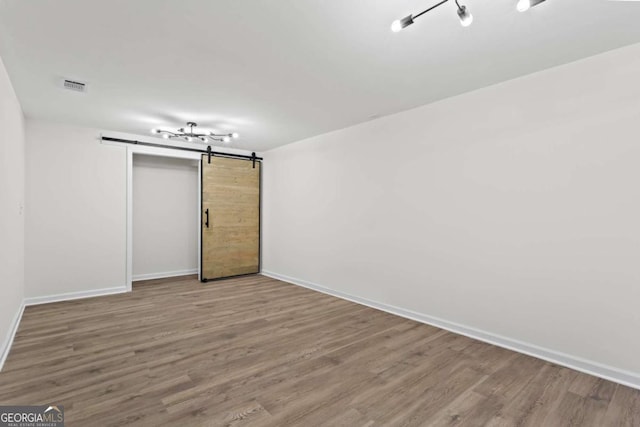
x=466, y=18
x=187, y=133
x=399, y=24
x=524, y=5
x=463, y=13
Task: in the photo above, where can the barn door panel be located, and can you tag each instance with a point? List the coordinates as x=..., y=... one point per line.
x=230, y=217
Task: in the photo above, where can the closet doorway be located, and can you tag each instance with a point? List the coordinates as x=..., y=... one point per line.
x=165, y=216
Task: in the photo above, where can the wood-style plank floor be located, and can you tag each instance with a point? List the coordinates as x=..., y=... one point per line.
x=254, y=351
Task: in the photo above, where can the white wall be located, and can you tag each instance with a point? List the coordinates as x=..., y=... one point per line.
x=12, y=201
x=165, y=216
x=76, y=223
x=76, y=219
x=513, y=210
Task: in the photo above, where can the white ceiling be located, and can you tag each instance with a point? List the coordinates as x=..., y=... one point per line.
x=280, y=71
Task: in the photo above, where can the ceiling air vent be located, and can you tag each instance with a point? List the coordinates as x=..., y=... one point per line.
x=75, y=86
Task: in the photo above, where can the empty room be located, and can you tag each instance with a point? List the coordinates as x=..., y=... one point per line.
x=319, y=213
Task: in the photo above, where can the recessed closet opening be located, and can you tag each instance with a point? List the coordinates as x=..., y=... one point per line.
x=165, y=217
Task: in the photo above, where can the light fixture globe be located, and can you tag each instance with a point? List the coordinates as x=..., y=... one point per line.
x=523, y=5
x=400, y=24
x=466, y=18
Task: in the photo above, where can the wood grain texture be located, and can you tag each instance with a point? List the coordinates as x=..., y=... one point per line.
x=231, y=193
x=254, y=351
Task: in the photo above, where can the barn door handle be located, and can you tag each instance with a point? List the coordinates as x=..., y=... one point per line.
x=207, y=221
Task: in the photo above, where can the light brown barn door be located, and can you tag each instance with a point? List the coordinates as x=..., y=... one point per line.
x=230, y=217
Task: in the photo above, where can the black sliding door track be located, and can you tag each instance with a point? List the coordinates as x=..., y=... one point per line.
x=195, y=150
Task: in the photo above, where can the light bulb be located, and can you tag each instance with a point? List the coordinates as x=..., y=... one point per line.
x=235, y=135
x=226, y=139
x=523, y=5
x=399, y=24
x=466, y=18
x=165, y=135
x=189, y=139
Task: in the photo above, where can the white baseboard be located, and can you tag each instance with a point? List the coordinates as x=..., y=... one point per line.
x=8, y=341
x=151, y=276
x=74, y=295
x=610, y=373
